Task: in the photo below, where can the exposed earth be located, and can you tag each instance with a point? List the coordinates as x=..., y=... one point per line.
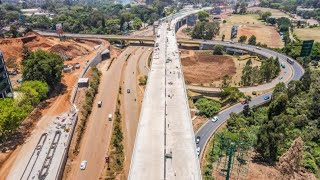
x=40, y=118
x=248, y=25
x=12, y=48
x=207, y=68
x=200, y=67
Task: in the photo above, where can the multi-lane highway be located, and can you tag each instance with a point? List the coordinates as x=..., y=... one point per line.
x=96, y=139
x=161, y=150
x=164, y=146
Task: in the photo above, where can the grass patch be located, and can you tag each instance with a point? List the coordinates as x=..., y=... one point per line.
x=308, y=33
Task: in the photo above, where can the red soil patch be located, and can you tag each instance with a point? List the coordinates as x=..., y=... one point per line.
x=13, y=47
x=207, y=68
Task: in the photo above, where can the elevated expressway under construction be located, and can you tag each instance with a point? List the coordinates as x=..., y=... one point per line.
x=164, y=146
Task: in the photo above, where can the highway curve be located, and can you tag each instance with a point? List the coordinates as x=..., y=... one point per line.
x=293, y=72
x=290, y=72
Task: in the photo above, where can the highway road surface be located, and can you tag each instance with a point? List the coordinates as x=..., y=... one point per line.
x=208, y=129
x=131, y=101
x=96, y=140
x=164, y=146
x=148, y=155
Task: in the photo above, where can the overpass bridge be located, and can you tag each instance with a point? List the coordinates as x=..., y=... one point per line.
x=150, y=39
x=100, y=36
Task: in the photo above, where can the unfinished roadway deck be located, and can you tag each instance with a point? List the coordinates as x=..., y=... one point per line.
x=165, y=146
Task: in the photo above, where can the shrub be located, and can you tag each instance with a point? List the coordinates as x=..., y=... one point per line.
x=207, y=107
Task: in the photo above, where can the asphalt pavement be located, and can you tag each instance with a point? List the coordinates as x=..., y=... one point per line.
x=96, y=139
x=209, y=128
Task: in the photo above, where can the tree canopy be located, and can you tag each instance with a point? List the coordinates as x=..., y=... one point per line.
x=205, y=30
x=14, y=111
x=207, y=107
x=203, y=16
x=43, y=66
x=252, y=40
x=218, y=50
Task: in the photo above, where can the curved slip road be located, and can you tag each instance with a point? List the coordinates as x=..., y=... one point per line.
x=290, y=72
x=209, y=128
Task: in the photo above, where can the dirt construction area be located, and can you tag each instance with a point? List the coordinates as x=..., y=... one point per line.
x=58, y=102
x=200, y=67
x=12, y=48
x=207, y=68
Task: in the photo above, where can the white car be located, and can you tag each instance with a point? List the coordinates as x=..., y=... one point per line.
x=258, y=48
x=198, y=150
x=83, y=165
x=215, y=119
x=99, y=103
x=110, y=117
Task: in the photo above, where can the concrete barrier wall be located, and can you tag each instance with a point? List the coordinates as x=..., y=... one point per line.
x=93, y=62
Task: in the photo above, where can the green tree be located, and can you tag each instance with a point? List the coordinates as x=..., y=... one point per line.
x=272, y=21
x=284, y=24
x=40, y=87
x=294, y=88
x=43, y=66
x=231, y=94
x=246, y=78
x=306, y=79
x=205, y=30
x=315, y=52
x=137, y=23
x=207, y=107
x=265, y=15
x=272, y=136
x=14, y=31
x=252, y=40
x=203, y=16
x=235, y=123
x=218, y=50
x=315, y=105
x=270, y=68
x=243, y=39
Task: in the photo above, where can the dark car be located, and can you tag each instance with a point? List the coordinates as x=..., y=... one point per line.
x=266, y=98
x=197, y=139
x=128, y=90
